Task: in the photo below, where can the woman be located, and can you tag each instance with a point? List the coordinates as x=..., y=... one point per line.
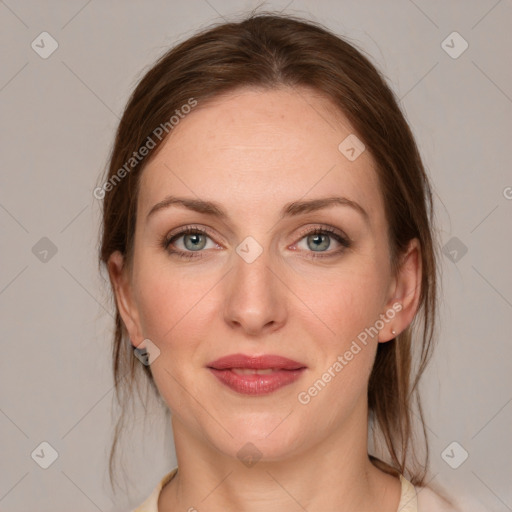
x=267, y=233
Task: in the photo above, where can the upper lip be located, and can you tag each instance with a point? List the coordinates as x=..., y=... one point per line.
x=255, y=362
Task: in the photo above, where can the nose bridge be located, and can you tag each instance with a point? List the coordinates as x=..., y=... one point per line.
x=254, y=298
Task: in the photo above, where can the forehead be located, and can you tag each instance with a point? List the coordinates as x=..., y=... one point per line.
x=256, y=145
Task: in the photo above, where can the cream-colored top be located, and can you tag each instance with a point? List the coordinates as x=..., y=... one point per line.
x=412, y=499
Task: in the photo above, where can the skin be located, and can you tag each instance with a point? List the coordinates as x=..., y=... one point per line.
x=252, y=152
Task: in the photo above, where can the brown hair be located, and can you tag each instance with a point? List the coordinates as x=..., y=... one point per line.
x=268, y=51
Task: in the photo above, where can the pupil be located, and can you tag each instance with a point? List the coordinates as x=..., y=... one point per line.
x=320, y=241
x=196, y=242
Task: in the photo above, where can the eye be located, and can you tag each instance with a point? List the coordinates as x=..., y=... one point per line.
x=319, y=240
x=188, y=241
x=191, y=240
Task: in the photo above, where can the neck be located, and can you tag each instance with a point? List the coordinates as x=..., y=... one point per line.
x=336, y=472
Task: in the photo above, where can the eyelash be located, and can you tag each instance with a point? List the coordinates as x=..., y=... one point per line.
x=166, y=241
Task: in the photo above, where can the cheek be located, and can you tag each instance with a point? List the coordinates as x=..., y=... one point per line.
x=349, y=306
x=167, y=299
x=174, y=311
x=344, y=301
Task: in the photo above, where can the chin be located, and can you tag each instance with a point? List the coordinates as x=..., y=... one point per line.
x=265, y=437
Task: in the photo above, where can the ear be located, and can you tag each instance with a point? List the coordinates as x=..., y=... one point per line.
x=120, y=279
x=404, y=293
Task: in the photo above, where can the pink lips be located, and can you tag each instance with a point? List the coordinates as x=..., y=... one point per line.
x=256, y=375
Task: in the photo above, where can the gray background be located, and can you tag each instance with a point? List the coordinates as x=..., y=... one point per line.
x=58, y=117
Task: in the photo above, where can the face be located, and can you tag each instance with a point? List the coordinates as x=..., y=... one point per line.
x=266, y=269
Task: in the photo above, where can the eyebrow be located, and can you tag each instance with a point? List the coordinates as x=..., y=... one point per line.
x=289, y=210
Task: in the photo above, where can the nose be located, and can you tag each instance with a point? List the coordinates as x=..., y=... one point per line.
x=255, y=298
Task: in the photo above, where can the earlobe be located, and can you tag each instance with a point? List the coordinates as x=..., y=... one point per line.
x=123, y=295
x=406, y=293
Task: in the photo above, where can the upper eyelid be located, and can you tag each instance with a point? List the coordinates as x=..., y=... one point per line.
x=328, y=229
x=184, y=231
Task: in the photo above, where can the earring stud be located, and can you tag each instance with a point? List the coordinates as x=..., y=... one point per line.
x=393, y=333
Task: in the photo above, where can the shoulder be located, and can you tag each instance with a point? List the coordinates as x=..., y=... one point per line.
x=430, y=501
x=151, y=503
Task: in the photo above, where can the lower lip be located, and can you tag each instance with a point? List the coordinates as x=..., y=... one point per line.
x=257, y=384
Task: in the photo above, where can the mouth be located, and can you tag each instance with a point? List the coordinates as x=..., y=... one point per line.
x=256, y=375
x=252, y=371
